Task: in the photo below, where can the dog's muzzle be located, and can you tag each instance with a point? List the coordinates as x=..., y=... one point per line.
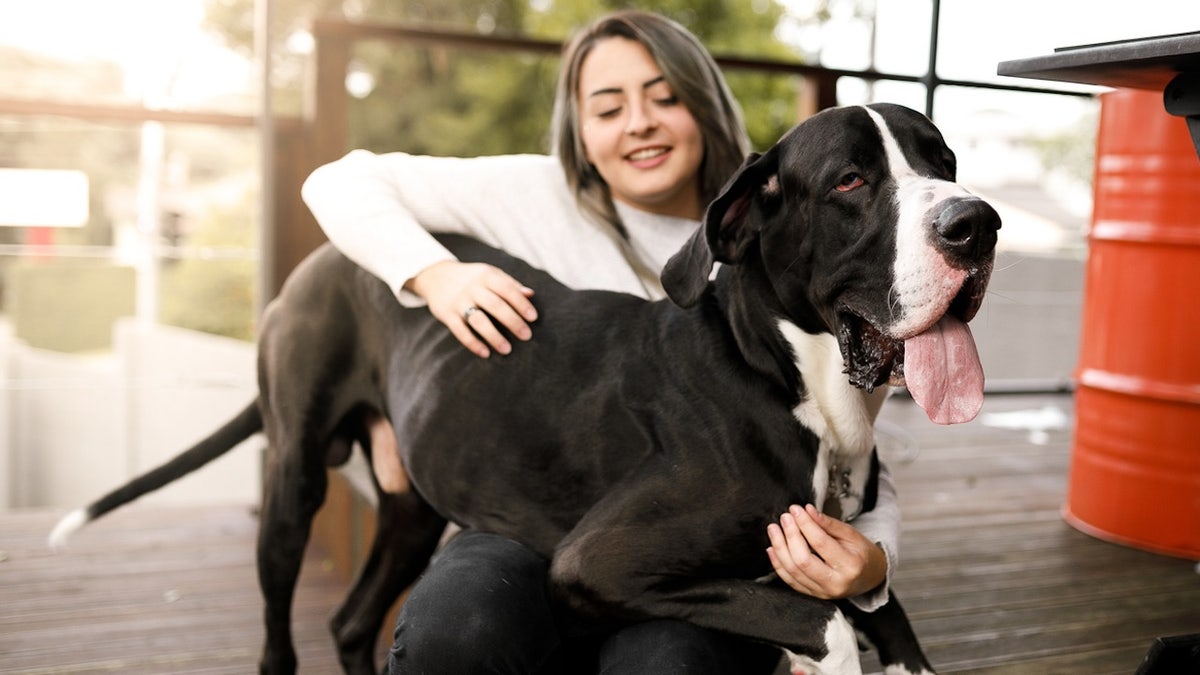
x=938, y=362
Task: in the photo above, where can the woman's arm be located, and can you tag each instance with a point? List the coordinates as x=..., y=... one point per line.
x=826, y=558
x=379, y=211
x=364, y=204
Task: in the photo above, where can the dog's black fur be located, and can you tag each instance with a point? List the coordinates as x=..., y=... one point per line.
x=643, y=446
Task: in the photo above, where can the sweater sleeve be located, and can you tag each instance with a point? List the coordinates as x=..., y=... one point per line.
x=379, y=209
x=882, y=526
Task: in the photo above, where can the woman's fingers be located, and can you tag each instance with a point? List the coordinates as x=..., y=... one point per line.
x=475, y=301
x=506, y=302
x=500, y=302
x=795, y=563
x=781, y=559
x=816, y=537
x=818, y=555
x=460, y=329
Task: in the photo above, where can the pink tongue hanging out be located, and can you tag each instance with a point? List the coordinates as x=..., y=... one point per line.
x=943, y=372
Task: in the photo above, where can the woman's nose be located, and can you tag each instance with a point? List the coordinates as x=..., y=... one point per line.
x=641, y=120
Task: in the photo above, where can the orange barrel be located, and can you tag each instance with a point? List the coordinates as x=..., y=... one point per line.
x=1135, y=463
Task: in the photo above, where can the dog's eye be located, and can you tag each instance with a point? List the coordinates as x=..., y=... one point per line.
x=849, y=182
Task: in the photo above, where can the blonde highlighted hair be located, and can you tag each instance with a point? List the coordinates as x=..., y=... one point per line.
x=694, y=78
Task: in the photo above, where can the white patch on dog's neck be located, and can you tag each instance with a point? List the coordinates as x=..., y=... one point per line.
x=841, y=415
x=924, y=282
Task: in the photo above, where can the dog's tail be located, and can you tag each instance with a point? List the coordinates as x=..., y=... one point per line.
x=244, y=425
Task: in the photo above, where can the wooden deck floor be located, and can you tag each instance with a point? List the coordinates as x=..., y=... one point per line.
x=148, y=590
x=993, y=579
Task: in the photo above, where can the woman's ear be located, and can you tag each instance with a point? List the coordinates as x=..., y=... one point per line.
x=725, y=233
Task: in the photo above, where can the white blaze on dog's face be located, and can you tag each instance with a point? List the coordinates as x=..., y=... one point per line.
x=924, y=281
x=945, y=241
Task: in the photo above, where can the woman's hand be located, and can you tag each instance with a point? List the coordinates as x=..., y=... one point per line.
x=471, y=299
x=824, y=557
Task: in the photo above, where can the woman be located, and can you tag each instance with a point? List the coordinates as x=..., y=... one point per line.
x=645, y=133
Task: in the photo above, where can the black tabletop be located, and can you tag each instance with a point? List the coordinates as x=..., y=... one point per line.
x=1143, y=63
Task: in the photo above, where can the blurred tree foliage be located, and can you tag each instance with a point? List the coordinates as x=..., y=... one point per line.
x=211, y=287
x=212, y=294
x=445, y=101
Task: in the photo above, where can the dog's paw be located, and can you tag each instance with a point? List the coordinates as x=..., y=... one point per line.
x=842, y=657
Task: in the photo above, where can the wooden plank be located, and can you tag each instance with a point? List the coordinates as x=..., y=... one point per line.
x=148, y=590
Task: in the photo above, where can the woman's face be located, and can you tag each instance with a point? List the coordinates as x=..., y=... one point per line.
x=644, y=142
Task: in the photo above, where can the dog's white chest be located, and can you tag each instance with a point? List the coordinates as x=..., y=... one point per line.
x=841, y=416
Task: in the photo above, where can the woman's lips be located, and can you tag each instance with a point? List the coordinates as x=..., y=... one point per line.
x=648, y=157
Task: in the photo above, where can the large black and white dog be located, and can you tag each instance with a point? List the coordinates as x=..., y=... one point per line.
x=642, y=446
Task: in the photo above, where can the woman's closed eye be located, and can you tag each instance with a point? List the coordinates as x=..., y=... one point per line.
x=660, y=93
x=605, y=104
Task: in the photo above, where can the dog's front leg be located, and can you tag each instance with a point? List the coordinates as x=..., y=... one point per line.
x=889, y=630
x=621, y=564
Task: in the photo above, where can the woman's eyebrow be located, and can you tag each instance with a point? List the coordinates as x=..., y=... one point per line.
x=651, y=83
x=618, y=90
x=605, y=90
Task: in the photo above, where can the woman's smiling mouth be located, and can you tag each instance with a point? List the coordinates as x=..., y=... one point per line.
x=646, y=155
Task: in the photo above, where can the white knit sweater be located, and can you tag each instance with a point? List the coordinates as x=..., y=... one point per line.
x=379, y=208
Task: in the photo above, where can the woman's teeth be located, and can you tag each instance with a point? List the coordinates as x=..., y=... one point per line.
x=648, y=153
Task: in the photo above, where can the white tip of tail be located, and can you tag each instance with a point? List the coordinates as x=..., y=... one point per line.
x=69, y=523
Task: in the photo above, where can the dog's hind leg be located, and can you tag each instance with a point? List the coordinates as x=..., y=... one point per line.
x=406, y=534
x=294, y=486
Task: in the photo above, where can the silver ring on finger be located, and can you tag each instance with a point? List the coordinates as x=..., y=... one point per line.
x=466, y=315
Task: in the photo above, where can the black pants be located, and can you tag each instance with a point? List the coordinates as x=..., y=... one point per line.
x=482, y=607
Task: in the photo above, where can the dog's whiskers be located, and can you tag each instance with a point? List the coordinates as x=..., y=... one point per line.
x=1011, y=265
x=894, y=308
x=1003, y=296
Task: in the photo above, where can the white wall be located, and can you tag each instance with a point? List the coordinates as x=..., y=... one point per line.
x=73, y=426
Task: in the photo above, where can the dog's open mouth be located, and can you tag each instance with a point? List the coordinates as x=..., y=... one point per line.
x=939, y=365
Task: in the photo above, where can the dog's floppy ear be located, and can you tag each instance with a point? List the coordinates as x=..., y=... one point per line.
x=724, y=234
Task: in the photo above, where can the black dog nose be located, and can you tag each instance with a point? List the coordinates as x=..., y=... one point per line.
x=965, y=229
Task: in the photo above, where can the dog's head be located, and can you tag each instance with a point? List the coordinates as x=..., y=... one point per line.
x=860, y=231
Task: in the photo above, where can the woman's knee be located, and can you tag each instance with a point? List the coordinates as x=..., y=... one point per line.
x=481, y=607
x=671, y=646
